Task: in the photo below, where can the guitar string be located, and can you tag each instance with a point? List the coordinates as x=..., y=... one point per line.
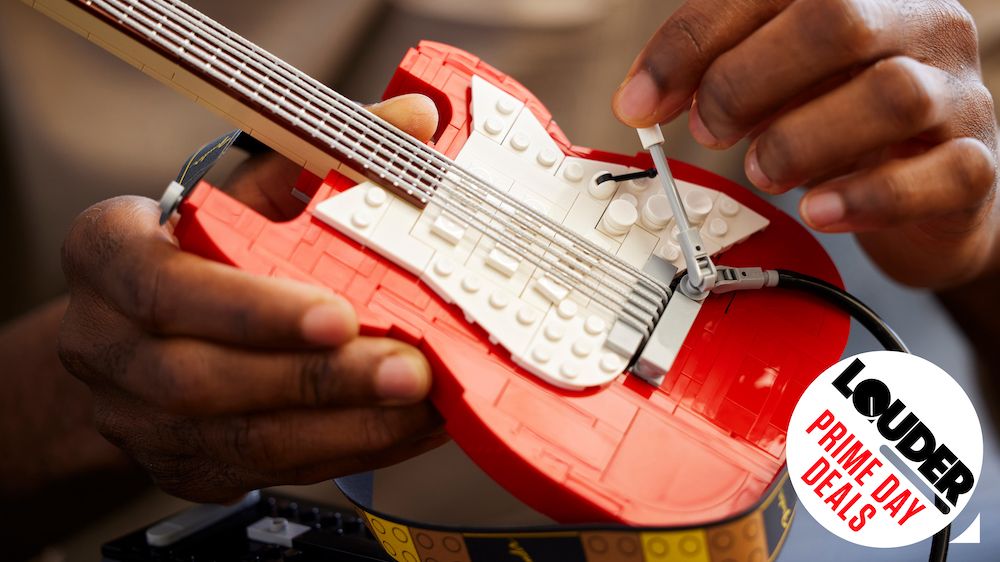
x=657, y=293
x=322, y=92
x=628, y=307
x=649, y=289
x=643, y=311
x=186, y=43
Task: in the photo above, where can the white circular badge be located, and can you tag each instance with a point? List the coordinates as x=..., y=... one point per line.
x=875, y=439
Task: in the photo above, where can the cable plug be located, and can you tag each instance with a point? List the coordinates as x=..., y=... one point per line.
x=731, y=279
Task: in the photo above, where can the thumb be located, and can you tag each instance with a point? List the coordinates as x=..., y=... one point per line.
x=265, y=182
x=414, y=114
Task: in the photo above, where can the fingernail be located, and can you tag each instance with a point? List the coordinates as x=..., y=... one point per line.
x=329, y=323
x=402, y=378
x=638, y=98
x=756, y=176
x=824, y=209
x=698, y=129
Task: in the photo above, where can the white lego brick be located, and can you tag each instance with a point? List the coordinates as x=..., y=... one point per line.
x=637, y=247
x=510, y=322
x=569, y=349
x=730, y=223
x=392, y=238
x=665, y=342
x=494, y=111
x=533, y=177
x=355, y=212
x=529, y=140
x=424, y=231
x=276, y=530
x=503, y=260
x=514, y=283
x=585, y=214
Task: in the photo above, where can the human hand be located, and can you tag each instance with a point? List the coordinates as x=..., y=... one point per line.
x=217, y=381
x=876, y=106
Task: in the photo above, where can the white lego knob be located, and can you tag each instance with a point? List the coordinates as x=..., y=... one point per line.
x=656, y=213
x=601, y=190
x=520, y=142
x=493, y=125
x=728, y=207
x=718, y=228
x=698, y=205
x=573, y=172
x=506, y=106
x=375, y=196
x=630, y=198
x=547, y=157
x=670, y=252
x=619, y=217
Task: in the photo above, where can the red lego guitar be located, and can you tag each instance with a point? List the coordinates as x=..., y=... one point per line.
x=530, y=283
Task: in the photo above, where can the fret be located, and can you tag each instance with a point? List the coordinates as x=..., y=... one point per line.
x=365, y=141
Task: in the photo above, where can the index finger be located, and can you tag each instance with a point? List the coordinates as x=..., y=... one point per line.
x=665, y=75
x=118, y=252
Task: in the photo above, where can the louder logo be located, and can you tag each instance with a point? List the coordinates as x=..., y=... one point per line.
x=875, y=440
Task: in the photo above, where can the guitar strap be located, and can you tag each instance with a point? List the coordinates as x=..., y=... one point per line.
x=755, y=535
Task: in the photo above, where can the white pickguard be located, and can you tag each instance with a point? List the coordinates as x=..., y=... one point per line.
x=551, y=330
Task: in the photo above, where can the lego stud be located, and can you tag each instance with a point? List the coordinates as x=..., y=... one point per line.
x=595, y=325
x=527, y=315
x=698, y=205
x=602, y=190
x=619, y=217
x=656, y=213
x=569, y=370
x=567, y=309
x=630, y=198
x=493, y=125
x=554, y=332
x=612, y=363
x=520, y=142
x=547, y=157
x=499, y=300
x=541, y=354
x=670, y=252
x=471, y=284
x=506, y=106
x=483, y=174
x=375, y=196
x=444, y=267
x=361, y=219
x=728, y=207
x=582, y=348
x=718, y=228
x=573, y=172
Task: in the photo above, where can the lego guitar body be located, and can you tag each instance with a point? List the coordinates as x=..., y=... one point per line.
x=703, y=446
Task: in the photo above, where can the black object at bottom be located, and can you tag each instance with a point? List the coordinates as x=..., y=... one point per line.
x=337, y=535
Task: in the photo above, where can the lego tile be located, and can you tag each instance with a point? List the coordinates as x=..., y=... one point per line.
x=395, y=539
x=529, y=140
x=680, y=546
x=493, y=110
x=443, y=547
x=612, y=546
x=743, y=539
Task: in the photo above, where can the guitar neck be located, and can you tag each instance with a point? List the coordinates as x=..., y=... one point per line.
x=279, y=105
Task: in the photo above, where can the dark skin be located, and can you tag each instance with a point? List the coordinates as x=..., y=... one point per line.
x=215, y=381
x=876, y=106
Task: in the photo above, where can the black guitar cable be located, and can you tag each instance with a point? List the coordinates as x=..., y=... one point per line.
x=885, y=336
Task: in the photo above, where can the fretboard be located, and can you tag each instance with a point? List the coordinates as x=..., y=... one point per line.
x=286, y=109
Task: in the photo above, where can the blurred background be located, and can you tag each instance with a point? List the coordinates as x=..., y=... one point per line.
x=78, y=126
